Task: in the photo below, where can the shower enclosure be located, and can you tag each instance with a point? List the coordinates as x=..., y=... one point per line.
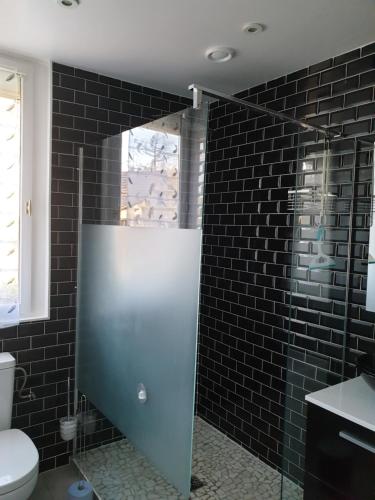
x=331, y=209
x=141, y=201
x=323, y=212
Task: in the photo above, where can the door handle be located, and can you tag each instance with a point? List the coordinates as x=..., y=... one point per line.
x=358, y=442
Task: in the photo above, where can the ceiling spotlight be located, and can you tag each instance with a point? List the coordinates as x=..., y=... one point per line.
x=220, y=54
x=68, y=3
x=253, y=28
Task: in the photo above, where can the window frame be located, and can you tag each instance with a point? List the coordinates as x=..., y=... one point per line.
x=35, y=176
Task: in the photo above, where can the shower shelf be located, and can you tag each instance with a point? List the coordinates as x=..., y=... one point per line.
x=312, y=201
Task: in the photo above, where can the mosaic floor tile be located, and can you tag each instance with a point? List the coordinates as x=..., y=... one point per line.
x=227, y=471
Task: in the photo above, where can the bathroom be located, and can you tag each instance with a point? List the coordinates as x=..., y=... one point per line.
x=186, y=295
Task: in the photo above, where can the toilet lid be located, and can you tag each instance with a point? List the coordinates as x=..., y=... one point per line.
x=19, y=460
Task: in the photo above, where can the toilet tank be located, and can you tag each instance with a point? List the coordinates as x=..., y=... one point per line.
x=7, y=366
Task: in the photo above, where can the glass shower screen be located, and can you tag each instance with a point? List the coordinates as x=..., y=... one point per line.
x=139, y=286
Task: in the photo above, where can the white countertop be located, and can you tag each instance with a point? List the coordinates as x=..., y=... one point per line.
x=353, y=400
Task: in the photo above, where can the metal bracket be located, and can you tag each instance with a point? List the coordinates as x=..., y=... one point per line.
x=198, y=90
x=142, y=393
x=197, y=96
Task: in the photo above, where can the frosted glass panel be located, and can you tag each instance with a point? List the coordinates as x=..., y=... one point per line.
x=138, y=325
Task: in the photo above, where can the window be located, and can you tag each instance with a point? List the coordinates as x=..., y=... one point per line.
x=10, y=139
x=24, y=190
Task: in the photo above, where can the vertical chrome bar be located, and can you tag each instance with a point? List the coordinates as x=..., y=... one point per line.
x=348, y=258
x=79, y=234
x=370, y=296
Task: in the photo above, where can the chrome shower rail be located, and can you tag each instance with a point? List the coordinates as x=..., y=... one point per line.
x=199, y=91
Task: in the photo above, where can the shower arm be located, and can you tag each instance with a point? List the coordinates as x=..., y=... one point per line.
x=199, y=91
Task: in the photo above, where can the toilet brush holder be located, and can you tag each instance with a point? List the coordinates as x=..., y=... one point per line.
x=68, y=428
x=68, y=425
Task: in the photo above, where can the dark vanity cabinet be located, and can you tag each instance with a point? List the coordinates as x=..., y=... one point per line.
x=340, y=458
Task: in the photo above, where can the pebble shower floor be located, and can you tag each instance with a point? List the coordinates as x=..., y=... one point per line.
x=227, y=471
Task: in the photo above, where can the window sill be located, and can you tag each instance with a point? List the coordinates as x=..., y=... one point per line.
x=36, y=317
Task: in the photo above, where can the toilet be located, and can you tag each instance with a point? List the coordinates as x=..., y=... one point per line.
x=19, y=458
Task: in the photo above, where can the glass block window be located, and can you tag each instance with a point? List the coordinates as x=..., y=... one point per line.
x=150, y=177
x=10, y=187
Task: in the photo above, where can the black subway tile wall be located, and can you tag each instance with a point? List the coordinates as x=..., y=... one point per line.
x=87, y=107
x=255, y=321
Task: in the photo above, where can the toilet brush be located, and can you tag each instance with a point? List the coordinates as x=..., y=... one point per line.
x=68, y=424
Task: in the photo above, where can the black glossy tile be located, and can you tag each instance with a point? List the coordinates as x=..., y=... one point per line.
x=368, y=49
x=72, y=82
x=345, y=85
x=331, y=104
x=308, y=82
x=319, y=93
x=343, y=116
x=332, y=75
x=361, y=65
x=315, y=68
x=348, y=56
x=359, y=97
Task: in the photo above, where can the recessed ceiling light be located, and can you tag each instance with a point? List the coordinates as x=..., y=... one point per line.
x=68, y=3
x=220, y=54
x=253, y=28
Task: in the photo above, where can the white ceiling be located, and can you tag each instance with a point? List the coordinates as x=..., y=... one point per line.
x=161, y=43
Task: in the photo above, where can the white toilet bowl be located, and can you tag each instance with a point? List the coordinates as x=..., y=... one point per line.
x=19, y=465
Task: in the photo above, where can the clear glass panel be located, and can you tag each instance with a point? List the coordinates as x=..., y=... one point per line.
x=150, y=176
x=138, y=286
x=10, y=153
x=370, y=293
x=330, y=199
